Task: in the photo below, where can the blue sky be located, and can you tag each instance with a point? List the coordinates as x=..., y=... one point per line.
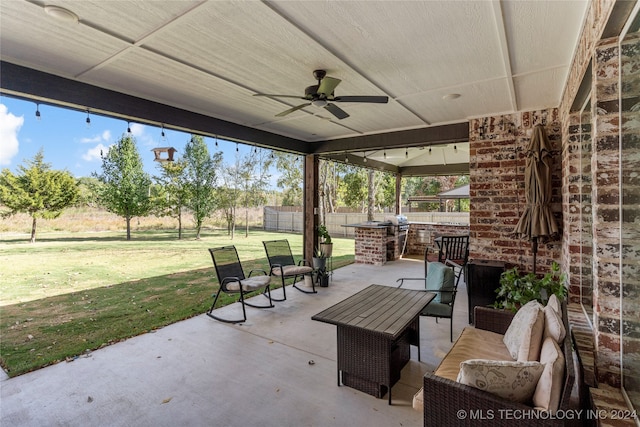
x=70, y=145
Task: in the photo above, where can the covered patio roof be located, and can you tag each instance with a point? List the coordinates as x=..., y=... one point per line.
x=196, y=66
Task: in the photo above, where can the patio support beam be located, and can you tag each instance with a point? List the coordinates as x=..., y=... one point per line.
x=311, y=185
x=423, y=137
x=398, y=193
x=37, y=86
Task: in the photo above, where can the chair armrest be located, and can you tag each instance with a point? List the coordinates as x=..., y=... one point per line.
x=303, y=262
x=492, y=319
x=448, y=403
x=258, y=270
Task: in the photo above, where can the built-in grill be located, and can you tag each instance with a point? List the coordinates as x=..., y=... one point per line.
x=396, y=224
x=397, y=227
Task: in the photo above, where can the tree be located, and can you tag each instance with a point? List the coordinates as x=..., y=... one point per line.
x=290, y=180
x=126, y=186
x=37, y=190
x=172, y=193
x=201, y=177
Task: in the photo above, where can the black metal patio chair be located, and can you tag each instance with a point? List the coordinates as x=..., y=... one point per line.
x=283, y=265
x=233, y=281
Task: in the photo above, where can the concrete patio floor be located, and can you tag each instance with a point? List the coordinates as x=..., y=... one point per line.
x=277, y=369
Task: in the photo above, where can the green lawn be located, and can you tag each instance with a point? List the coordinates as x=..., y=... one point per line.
x=71, y=293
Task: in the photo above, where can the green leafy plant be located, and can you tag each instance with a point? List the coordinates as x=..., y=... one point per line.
x=516, y=290
x=324, y=233
x=319, y=252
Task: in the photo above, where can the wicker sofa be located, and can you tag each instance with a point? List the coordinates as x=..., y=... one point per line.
x=447, y=402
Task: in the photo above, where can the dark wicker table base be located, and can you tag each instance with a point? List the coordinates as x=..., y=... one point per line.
x=371, y=362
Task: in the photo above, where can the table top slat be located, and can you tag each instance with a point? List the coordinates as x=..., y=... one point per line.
x=381, y=309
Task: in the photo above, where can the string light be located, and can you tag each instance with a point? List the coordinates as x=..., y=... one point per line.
x=88, y=121
x=365, y=157
x=346, y=157
x=216, y=141
x=429, y=150
x=406, y=153
x=237, y=147
x=128, y=127
x=455, y=148
x=385, y=154
x=162, y=134
x=38, y=112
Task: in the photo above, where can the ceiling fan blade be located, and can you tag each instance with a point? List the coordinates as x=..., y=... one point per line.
x=291, y=110
x=327, y=85
x=336, y=111
x=279, y=96
x=371, y=99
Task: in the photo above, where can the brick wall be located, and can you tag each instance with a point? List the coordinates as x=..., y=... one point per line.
x=371, y=245
x=497, y=192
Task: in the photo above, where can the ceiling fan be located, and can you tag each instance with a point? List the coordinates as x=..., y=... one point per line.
x=321, y=95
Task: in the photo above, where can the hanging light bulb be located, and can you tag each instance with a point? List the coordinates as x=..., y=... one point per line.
x=365, y=157
x=216, y=140
x=385, y=154
x=237, y=147
x=406, y=153
x=429, y=150
x=455, y=148
x=88, y=121
x=38, y=112
x=129, y=127
x=162, y=134
x=346, y=157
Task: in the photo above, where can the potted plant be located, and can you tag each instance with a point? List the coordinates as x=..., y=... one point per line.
x=516, y=290
x=319, y=259
x=326, y=245
x=320, y=265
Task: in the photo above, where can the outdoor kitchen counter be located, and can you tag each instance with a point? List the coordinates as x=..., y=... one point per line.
x=423, y=234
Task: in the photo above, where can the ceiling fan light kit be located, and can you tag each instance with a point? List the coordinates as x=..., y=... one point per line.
x=322, y=96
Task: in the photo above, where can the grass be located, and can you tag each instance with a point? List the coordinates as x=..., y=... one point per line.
x=70, y=293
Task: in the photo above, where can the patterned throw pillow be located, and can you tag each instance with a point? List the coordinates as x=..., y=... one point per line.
x=547, y=394
x=514, y=381
x=524, y=335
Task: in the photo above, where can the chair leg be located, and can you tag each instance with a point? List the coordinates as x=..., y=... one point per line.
x=284, y=293
x=451, y=328
x=313, y=285
x=267, y=291
x=213, y=316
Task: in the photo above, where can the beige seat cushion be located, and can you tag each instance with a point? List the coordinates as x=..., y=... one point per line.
x=524, y=335
x=292, y=270
x=549, y=389
x=553, y=326
x=514, y=381
x=250, y=283
x=472, y=344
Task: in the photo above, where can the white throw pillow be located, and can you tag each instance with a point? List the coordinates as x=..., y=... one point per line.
x=549, y=389
x=553, y=326
x=524, y=335
x=514, y=381
x=555, y=303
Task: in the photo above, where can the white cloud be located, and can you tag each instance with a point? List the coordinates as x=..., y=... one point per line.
x=105, y=136
x=139, y=132
x=9, y=127
x=95, y=152
x=137, y=129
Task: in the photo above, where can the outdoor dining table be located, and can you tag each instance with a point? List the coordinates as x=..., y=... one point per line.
x=375, y=329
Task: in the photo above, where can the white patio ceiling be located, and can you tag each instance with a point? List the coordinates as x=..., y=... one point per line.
x=211, y=57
